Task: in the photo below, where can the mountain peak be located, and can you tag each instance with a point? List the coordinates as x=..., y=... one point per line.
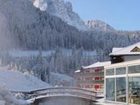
x=99, y=25
x=41, y=4
x=62, y=9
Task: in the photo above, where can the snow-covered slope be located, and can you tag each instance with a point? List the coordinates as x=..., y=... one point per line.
x=57, y=79
x=7, y=98
x=99, y=25
x=16, y=81
x=62, y=9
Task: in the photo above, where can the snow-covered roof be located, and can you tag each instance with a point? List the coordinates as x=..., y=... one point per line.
x=77, y=71
x=98, y=64
x=126, y=50
x=116, y=49
x=17, y=81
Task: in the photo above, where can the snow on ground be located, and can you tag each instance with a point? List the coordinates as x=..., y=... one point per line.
x=6, y=98
x=57, y=79
x=16, y=81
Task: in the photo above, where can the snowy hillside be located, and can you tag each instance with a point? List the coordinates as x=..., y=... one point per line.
x=16, y=81
x=32, y=53
x=57, y=79
x=7, y=98
x=29, y=53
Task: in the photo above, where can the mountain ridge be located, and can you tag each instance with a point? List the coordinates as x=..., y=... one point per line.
x=99, y=25
x=64, y=10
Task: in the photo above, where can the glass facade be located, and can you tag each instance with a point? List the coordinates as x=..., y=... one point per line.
x=110, y=89
x=134, y=90
x=134, y=69
x=121, y=70
x=123, y=87
x=110, y=72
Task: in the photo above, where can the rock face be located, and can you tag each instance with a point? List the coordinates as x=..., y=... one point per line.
x=62, y=9
x=99, y=25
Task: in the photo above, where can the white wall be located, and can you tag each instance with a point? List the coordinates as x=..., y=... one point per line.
x=129, y=58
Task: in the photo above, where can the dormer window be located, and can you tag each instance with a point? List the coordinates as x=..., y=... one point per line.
x=136, y=49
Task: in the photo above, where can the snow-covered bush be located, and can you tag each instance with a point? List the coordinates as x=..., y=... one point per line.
x=9, y=99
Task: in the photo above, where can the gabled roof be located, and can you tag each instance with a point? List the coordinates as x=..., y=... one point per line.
x=136, y=49
x=129, y=50
x=97, y=64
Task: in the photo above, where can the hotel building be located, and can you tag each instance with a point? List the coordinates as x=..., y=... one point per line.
x=122, y=77
x=92, y=77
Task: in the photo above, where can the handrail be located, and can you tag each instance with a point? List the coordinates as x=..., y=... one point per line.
x=64, y=88
x=32, y=91
x=63, y=91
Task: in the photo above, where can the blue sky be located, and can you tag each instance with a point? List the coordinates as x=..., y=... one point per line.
x=121, y=14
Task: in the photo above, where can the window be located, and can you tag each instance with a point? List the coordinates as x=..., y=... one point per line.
x=121, y=89
x=88, y=78
x=86, y=86
x=79, y=86
x=121, y=70
x=87, y=71
x=98, y=70
x=101, y=86
x=97, y=87
x=110, y=89
x=109, y=72
x=97, y=78
x=101, y=78
x=134, y=69
x=134, y=90
x=78, y=78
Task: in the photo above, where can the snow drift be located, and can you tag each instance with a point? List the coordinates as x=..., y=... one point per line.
x=16, y=81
